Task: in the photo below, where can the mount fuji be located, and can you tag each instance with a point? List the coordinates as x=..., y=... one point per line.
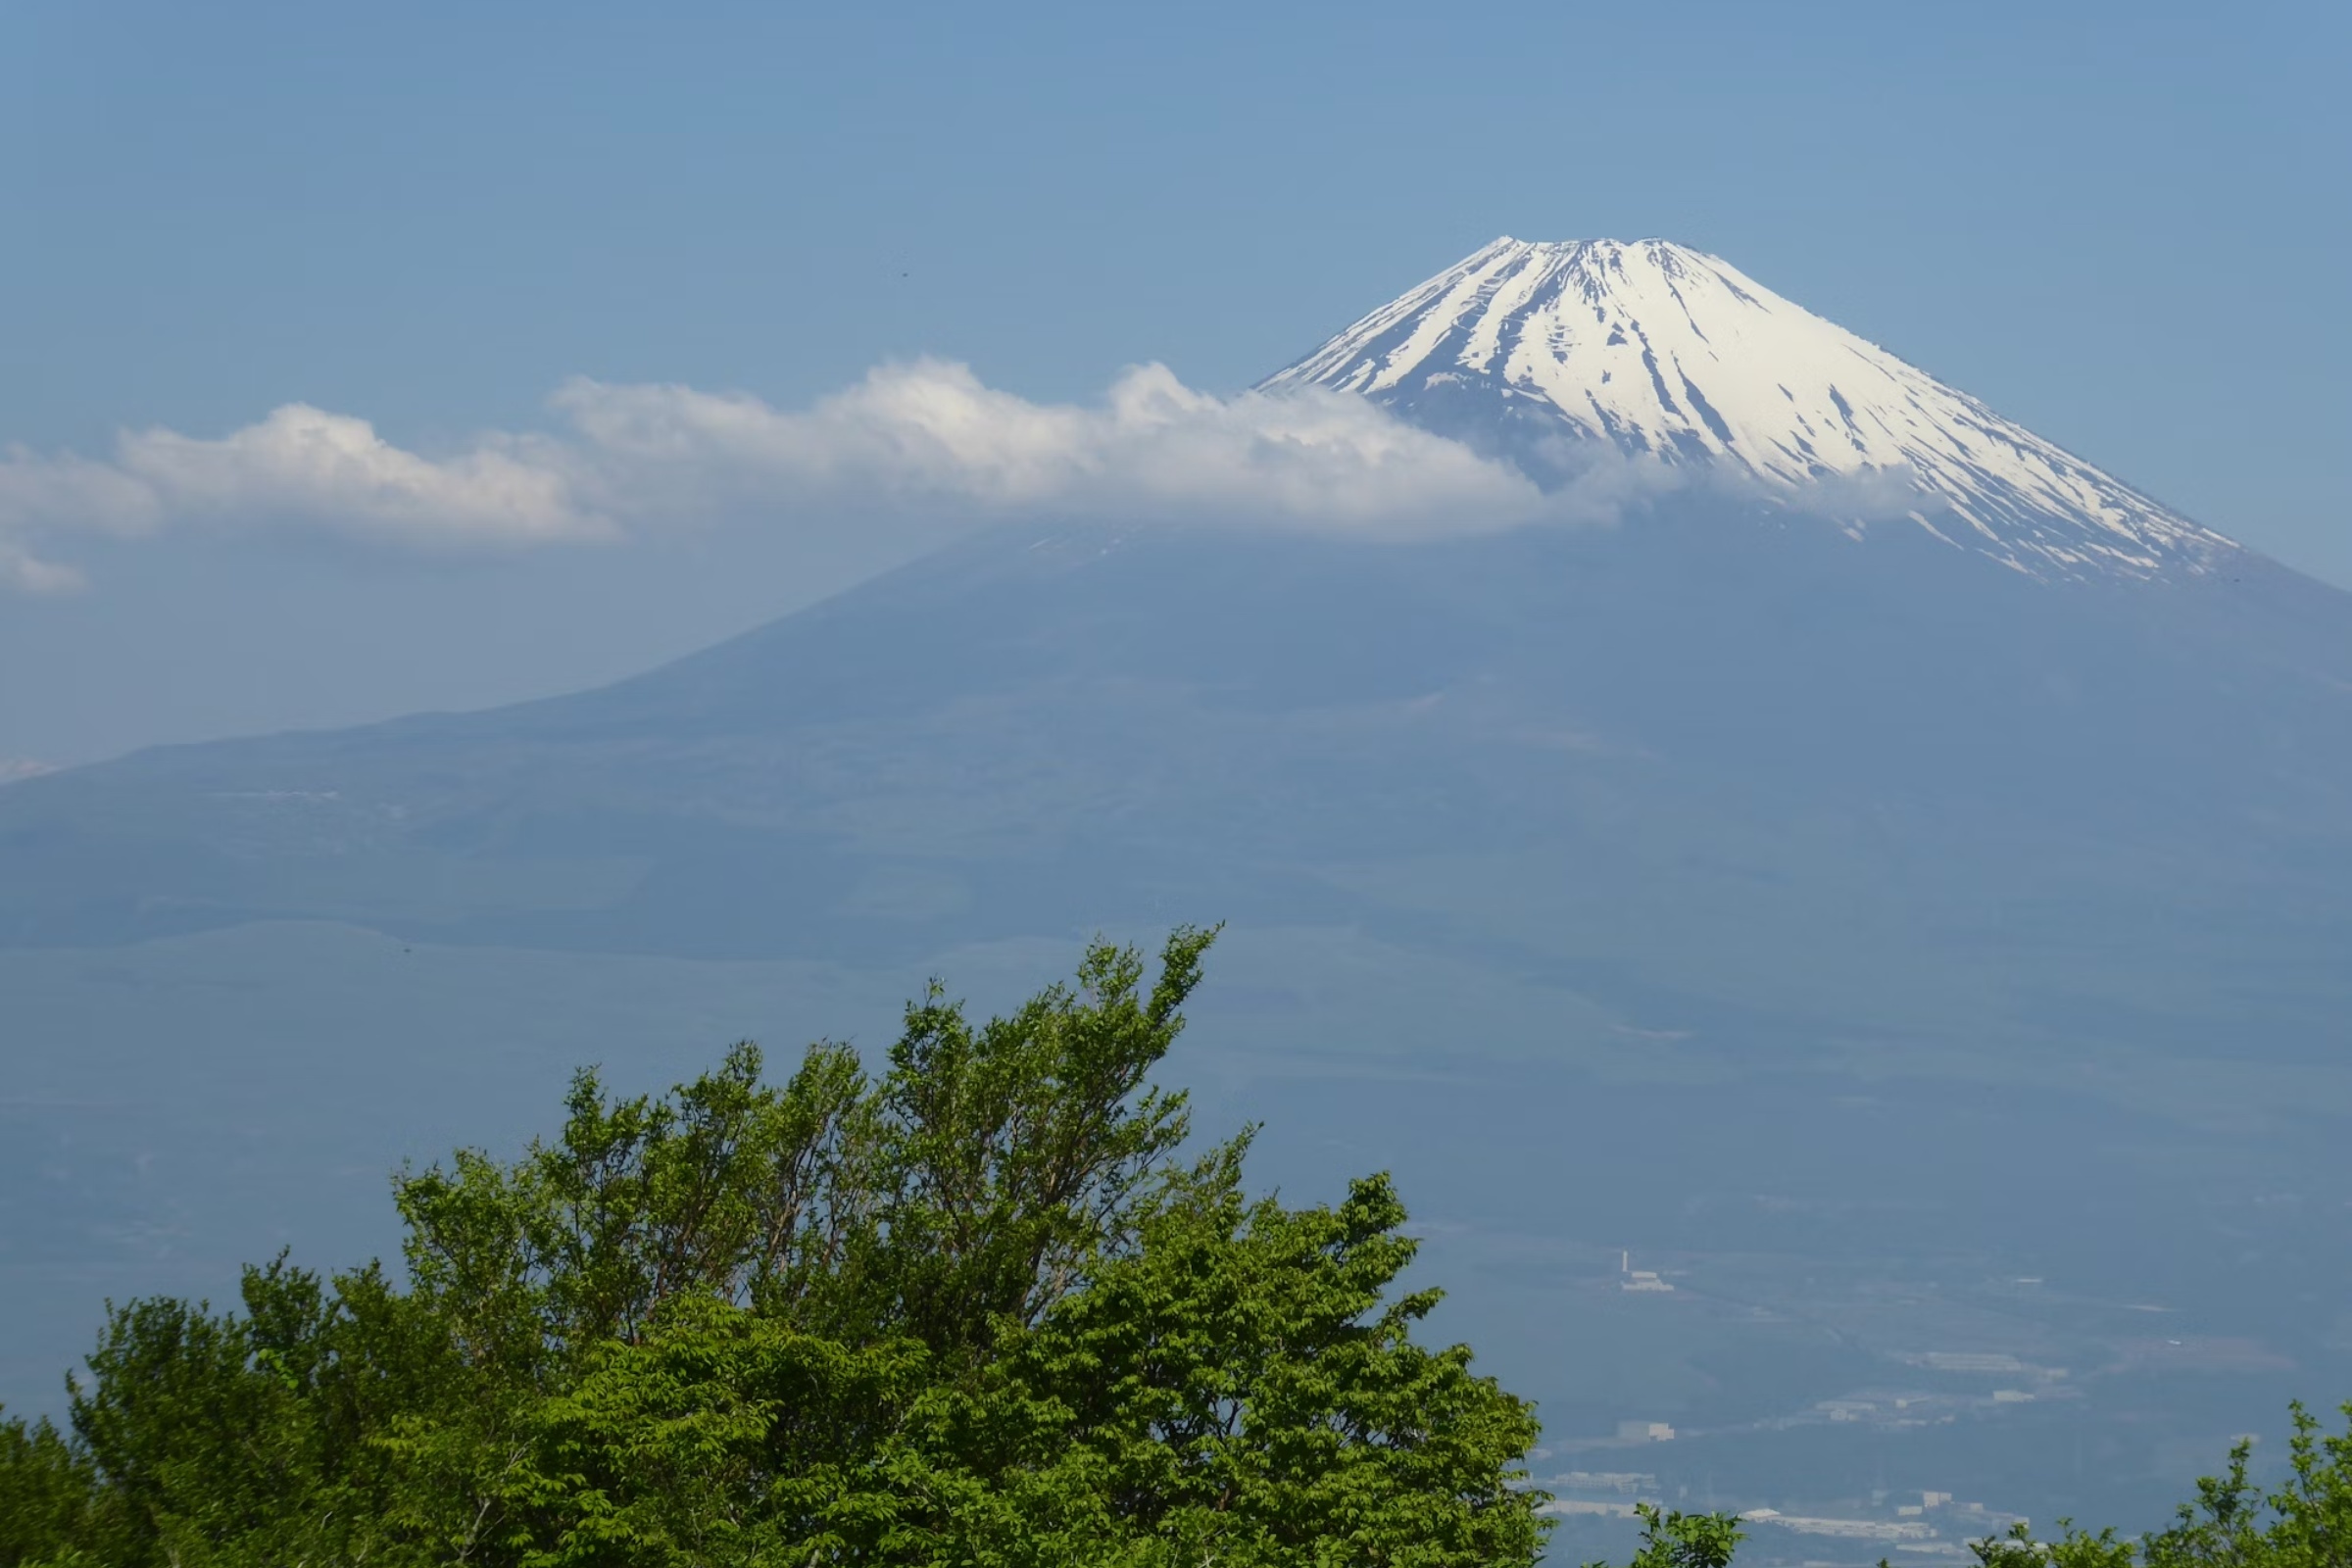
x=1894, y=843
x=1857, y=644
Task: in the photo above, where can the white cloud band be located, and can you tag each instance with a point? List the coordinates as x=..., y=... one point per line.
x=930, y=433
x=928, y=436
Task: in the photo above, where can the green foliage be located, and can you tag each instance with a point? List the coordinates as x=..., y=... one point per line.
x=1246, y=1382
x=970, y=1311
x=2073, y=1549
x=1672, y=1539
x=49, y=1496
x=2305, y=1522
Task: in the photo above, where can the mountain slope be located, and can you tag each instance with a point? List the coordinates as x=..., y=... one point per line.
x=1646, y=758
x=1662, y=354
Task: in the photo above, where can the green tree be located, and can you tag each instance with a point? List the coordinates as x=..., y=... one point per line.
x=971, y=1310
x=1241, y=1387
x=2305, y=1522
x=1246, y=1385
x=49, y=1496
x=2073, y=1549
x=1672, y=1539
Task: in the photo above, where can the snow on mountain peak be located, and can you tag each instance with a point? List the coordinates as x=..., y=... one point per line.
x=1675, y=356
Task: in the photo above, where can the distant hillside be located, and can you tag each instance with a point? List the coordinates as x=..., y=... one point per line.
x=1733, y=766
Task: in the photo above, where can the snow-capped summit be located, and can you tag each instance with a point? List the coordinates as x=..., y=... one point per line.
x=1532, y=349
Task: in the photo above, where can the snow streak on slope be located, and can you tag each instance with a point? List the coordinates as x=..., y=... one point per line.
x=1678, y=356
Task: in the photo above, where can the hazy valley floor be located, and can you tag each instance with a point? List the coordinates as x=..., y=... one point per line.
x=1893, y=1273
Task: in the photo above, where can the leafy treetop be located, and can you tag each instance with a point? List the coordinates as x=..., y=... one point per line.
x=974, y=1309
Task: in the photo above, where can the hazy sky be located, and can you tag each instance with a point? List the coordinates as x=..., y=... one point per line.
x=2125, y=226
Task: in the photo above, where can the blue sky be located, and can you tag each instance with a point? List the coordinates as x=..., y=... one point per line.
x=2124, y=226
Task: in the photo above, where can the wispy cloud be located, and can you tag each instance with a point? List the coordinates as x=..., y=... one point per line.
x=300, y=466
x=306, y=465
x=932, y=433
x=928, y=437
